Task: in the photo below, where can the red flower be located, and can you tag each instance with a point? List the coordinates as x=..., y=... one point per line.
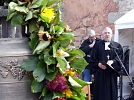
x=60, y=98
x=58, y=84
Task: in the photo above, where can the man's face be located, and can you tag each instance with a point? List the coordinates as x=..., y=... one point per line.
x=92, y=38
x=107, y=36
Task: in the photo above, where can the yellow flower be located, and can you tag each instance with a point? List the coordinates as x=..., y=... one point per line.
x=68, y=92
x=60, y=52
x=48, y=13
x=69, y=72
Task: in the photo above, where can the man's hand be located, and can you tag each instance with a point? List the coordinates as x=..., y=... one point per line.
x=91, y=45
x=110, y=62
x=102, y=66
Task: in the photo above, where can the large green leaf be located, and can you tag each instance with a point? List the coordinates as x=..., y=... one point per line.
x=77, y=84
x=44, y=91
x=41, y=46
x=62, y=63
x=64, y=43
x=34, y=41
x=55, y=46
x=66, y=35
x=51, y=2
x=76, y=52
x=37, y=86
x=32, y=26
x=74, y=83
x=49, y=59
x=17, y=19
x=57, y=18
x=11, y=14
x=49, y=96
x=79, y=92
x=41, y=63
x=12, y=5
x=50, y=76
x=81, y=82
x=21, y=9
x=30, y=64
x=29, y=15
x=39, y=74
x=56, y=27
x=62, y=24
x=44, y=3
x=60, y=31
x=79, y=64
x=36, y=3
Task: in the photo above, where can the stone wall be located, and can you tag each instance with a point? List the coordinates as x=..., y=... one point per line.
x=95, y=14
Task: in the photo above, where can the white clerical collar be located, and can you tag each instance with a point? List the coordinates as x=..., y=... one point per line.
x=107, y=45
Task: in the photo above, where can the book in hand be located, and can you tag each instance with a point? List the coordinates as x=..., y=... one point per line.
x=108, y=66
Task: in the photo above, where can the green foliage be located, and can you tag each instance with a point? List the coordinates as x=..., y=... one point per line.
x=36, y=86
x=30, y=64
x=39, y=74
x=52, y=48
x=79, y=64
x=41, y=46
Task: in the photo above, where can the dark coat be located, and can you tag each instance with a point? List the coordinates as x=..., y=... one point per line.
x=87, y=50
x=105, y=83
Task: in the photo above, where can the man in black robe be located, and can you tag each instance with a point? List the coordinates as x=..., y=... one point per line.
x=105, y=83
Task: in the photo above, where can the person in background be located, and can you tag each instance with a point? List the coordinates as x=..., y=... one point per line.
x=105, y=78
x=86, y=47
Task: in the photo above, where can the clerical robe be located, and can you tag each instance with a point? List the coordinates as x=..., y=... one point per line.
x=105, y=83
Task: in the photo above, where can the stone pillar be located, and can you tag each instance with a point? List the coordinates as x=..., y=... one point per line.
x=7, y=31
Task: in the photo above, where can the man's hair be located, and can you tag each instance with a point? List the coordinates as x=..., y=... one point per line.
x=107, y=28
x=91, y=32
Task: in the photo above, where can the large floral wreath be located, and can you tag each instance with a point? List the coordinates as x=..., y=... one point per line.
x=56, y=63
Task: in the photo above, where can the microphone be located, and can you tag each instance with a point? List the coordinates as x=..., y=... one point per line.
x=112, y=47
